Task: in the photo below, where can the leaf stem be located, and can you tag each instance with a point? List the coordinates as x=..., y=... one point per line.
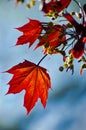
x=42, y=59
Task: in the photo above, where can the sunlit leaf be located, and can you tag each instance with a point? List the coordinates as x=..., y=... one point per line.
x=31, y=32
x=31, y=78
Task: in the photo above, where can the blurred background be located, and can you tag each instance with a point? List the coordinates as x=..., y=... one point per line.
x=66, y=104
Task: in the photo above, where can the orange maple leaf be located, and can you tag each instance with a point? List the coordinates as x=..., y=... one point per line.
x=31, y=32
x=31, y=78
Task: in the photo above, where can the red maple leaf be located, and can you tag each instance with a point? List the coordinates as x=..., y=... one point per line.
x=78, y=49
x=53, y=39
x=31, y=78
x=31, y=32
x=55, y=5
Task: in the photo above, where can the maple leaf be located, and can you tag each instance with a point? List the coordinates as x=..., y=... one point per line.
x=77, y=26
x=53, y=39
x=31, y=78
x=80, y=28
x=78, y=49
x=55, y=5
x=31, y=32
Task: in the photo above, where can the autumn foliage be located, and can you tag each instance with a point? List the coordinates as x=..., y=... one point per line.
x=31, y=31
x=31, y=78
x=67, y=39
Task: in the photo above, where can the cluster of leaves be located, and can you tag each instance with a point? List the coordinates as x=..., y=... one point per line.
x=67, y=39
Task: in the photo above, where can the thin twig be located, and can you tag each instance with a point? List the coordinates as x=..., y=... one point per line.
x=42, y=59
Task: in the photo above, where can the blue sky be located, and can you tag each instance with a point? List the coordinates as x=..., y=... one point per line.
x=66, y=105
